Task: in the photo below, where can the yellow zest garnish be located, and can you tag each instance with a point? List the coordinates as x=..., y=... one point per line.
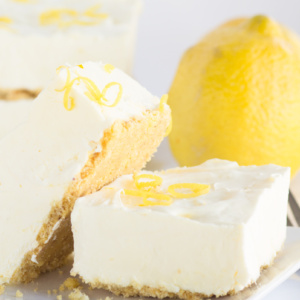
x=135, y=193
x=155, y=181
x=5, y=20
x=108, y=68
x=163, y=199
x=80, y=66
x=23, y=1
x=68, y=17
x=90, y=86
x=145, y=190
x=169, y=128
x=92, y=12
x=64, y=24
x=119, y=95
x=67, y=98
x=68, y=77
x=54, y=16
x=163, y=100
x=196, y=188
x=5, y=24
x=93, y=93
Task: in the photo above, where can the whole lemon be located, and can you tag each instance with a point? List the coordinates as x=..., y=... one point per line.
x=236, y=96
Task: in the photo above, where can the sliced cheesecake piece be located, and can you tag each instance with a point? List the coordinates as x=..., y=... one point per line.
x=38, y=36
x=92, y=124
x=12, y=113
x=188, y=233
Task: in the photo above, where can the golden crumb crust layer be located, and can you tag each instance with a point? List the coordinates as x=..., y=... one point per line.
x=6, y=94
x=126, y=147
x=146, y=291
x=161, y=293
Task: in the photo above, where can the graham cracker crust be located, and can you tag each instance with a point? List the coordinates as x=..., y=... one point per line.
x=161, y=293
x=6, y=94
x=126, y=147
x=146, y=291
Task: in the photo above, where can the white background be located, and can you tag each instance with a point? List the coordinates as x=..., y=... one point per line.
x=169, y=27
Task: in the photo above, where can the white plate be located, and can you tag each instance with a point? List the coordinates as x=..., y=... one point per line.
x=287, y=263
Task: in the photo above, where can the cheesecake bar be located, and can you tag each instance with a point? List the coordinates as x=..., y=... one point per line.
x=92, y=124
x=38, y=36
x=188, y=232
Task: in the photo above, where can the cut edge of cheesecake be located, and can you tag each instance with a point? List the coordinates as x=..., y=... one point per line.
x=7, y=94
x=126, y=147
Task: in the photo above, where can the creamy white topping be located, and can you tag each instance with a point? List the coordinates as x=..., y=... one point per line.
x=40, y=158
x=209, y=244
x=12, y=113
x=30, y=51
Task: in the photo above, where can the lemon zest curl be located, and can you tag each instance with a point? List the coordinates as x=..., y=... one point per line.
x=197, y=189
x=93, y=92
x=163, y=199
x=147, y=185
x=64, y=17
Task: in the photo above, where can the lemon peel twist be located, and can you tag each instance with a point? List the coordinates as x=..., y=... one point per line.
x=196, y=188
x=93, y=92
x=56, y=16
x=67, y=80
x=64, y=24
x=23, y=1
x=169, y=128
x=92, y=12
x=119, y=95
x=163, y=101
x=5, y=23
x=163, y=199
x=155, y=181
x=67, y=98
x=145, y=190
x=5, y=20
x=109, y=68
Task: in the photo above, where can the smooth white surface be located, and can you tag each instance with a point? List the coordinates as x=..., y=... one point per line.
x=41, y=157
x=283, y=267
x=12, y=113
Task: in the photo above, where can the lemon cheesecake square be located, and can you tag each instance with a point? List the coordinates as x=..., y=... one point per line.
x=38, y=36
x=92, y=124
x=188, y=232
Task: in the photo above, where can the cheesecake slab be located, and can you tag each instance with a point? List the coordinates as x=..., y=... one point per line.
x=92, y=124
x=188, y=232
